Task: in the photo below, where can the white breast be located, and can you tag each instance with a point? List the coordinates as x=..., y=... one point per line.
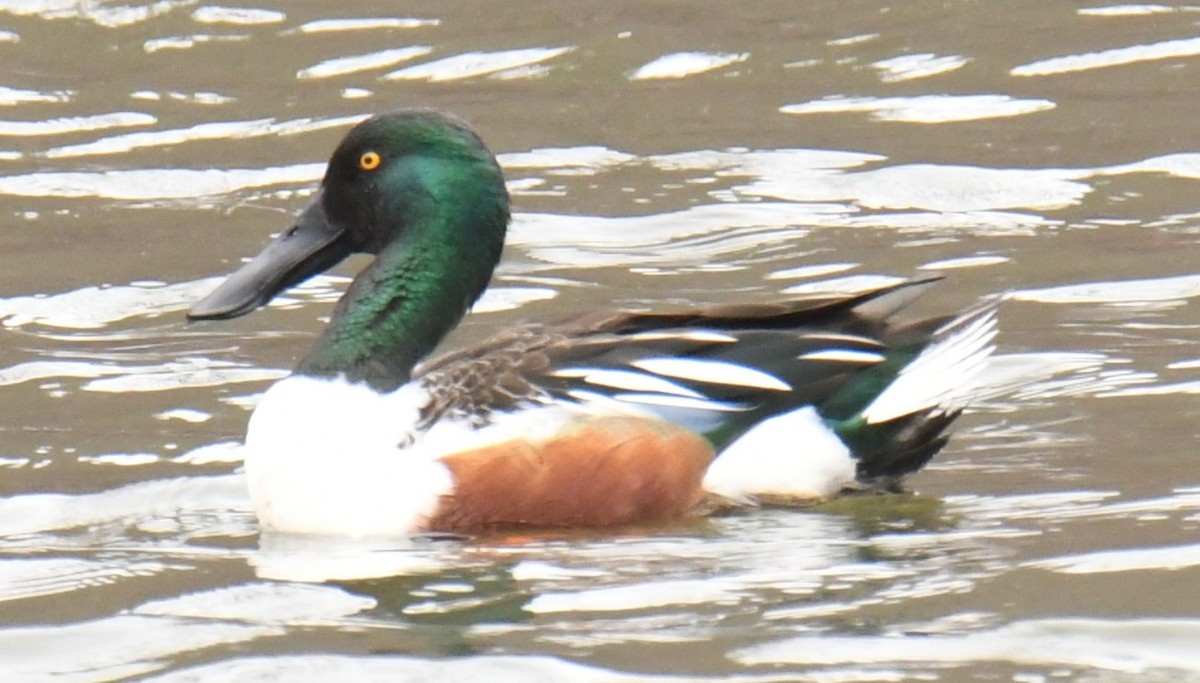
x=324, y=456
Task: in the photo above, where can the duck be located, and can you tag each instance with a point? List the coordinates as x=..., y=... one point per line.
x=601, y=419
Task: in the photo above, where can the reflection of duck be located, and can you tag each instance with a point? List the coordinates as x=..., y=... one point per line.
x=609, y=418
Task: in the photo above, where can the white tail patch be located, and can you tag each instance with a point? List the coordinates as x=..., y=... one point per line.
x=713, y=372
x=791, y=455
x=946, y=373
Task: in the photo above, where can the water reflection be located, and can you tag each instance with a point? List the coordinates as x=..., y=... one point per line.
x=803, y=568
x=503, y=64
x=681, y=64
x=341, y=66
x=924, y=108
x=1133, y=54
x=1144, y=647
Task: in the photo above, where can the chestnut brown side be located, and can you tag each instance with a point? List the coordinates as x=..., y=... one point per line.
x=603, y=471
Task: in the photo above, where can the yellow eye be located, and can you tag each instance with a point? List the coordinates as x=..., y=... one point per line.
x=369, y=161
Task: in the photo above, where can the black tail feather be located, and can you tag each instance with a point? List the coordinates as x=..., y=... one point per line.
x=906, y=444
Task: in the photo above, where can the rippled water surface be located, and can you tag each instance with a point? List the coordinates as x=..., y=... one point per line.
x=657, y=153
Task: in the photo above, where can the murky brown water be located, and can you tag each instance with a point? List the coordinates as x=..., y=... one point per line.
x=656, y=151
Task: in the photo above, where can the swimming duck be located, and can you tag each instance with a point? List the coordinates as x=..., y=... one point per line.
x=609, y=418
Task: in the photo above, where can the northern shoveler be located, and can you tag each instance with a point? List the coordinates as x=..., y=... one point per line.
x=606, y=419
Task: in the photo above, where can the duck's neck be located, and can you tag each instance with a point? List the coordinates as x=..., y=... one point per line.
x=399, y=308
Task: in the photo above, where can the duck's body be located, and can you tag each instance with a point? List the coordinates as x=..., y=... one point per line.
x=607, y=419
x=545, y=466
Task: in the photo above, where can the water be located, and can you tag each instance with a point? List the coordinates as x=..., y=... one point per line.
x=657, y=154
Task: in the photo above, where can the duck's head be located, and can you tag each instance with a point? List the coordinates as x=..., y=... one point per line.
x=415, y=181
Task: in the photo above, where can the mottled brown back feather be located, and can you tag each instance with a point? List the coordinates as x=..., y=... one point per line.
x=510, y=368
